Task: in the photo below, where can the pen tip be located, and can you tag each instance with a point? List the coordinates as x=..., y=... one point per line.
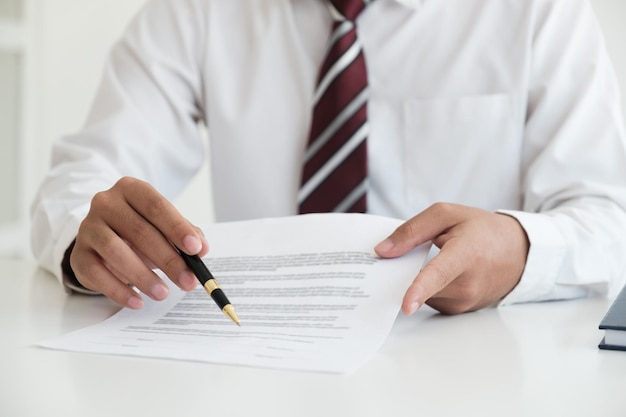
x=229, y=310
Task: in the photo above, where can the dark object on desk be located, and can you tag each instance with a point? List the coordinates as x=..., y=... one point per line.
x=614, y=324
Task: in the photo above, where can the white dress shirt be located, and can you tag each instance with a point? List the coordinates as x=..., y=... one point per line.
x=505, y=105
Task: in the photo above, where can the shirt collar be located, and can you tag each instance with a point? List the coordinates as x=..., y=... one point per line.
x=413, y=4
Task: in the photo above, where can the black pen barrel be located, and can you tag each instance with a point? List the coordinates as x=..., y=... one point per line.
x=198, y=267
x=220, y=298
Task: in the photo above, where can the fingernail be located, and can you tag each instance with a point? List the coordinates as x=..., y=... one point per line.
x=192, y=244
x=414, y=306
x=384, y=246
x=135, y=302
x=187, y=280
x=159, y=291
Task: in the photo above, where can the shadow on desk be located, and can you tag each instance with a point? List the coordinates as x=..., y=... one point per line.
x=473, y=355
x=67, y=312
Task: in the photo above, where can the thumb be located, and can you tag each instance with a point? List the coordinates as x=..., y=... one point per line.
x=406, y=237
x=422, y=228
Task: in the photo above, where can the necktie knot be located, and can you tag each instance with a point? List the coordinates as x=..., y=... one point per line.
x=349, y=9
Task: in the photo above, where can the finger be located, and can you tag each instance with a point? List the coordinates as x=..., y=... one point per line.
x=152, y=246
x=120, y=259
x=423, y=227
x=449, y=302
x=205, y=243
x=92, y=274
x=158, y=211
x=460, y=296
x=450, y=263
x=131, y=269
x=143, y=257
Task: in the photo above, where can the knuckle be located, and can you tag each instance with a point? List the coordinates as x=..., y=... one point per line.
x=442, y=208
x=172, y=263
x=119, y=294
x=126, y=183
x=156, y=206
x=407, y=229
x=101, y=201
x=96, y=244
x=85, y=273
x=181, y=228
x=461, y=299
x=199, y=230
x=441, y=277
x=140, y=232
x=467, y=294
x=90, y=275
x=106, y=243
x=90, y=235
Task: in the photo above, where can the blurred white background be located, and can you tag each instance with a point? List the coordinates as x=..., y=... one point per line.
x=63, y=46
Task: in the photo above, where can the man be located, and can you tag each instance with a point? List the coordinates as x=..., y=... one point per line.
x=495, y=130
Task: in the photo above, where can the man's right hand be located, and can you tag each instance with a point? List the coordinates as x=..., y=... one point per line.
x=130, y=229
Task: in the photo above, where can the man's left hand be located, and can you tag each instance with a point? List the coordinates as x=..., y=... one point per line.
x=481, y=259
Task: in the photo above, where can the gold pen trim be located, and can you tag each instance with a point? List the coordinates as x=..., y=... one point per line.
x=211, y=285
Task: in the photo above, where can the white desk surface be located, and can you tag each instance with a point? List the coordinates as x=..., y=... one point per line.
x=525, y=360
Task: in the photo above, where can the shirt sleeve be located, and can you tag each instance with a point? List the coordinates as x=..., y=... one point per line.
x=143, y=123
x=574, y=202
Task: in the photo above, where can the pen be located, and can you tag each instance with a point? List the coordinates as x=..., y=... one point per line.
x=210, y=284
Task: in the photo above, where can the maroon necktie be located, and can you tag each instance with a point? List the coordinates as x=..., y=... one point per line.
x=334, y=177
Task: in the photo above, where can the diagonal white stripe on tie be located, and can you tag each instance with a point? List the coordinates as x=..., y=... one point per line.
x=353, y=197
x=337, y=123
x=354, y=141
x=342, y=63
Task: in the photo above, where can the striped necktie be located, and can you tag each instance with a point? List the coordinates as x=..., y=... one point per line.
x=334, y=177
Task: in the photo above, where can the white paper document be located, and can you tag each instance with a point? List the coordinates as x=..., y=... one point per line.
x=309, y=290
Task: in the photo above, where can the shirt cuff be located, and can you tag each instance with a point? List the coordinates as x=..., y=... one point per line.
x=546, y=254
